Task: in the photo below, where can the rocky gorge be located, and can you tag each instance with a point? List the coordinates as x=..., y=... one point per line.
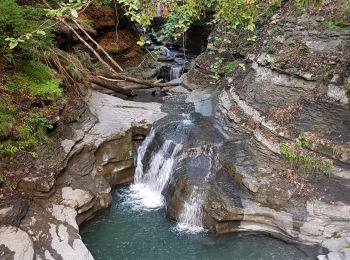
x=230, y=162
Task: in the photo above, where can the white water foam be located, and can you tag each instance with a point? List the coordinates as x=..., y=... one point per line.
x=191, y=215
x=190, y=218
x=187, y=119
x=146, y=192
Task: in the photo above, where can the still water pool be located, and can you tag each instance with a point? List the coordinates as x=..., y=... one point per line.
x=129, y=232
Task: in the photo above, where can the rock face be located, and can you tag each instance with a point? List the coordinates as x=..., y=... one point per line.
x=15, y=244
x=74, y=179
x=13, y=212
x=293, y=83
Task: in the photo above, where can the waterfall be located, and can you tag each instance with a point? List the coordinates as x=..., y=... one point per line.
x=175, y=72
x=190, y=218
x=151, y=178
x=159, y=10
x=146, y=192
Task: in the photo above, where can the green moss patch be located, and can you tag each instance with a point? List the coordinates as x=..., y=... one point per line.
x=37, y=79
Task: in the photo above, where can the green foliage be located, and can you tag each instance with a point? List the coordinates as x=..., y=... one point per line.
x=347, y=88
x=330, y=25
x=38, y=122
x=23, y=24
x=290, y=41
x=231, y=66
x=7, y=117
x=237, y=13
x=33, y=131
x=216, y=67
x=341, y=19
x=36, y=78
x=287, y=154
x=306, y=3
x=143, y=41
x=8, y=150
x=269, y=59
x=304, y=49
x=182, y=14
x=4, y=182
x=27, y=135
x=137, y=12
x=302, y=141
x=305, y=163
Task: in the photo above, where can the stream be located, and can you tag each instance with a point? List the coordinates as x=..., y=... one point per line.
x=177, y=167
x=186, y=143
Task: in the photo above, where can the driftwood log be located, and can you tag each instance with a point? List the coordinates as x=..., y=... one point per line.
x=111, y=82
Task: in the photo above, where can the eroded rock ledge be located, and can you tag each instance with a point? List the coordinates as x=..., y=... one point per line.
x=91, y=155
x=270, y=104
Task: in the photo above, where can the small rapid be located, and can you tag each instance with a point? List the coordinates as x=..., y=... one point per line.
x=151, y=178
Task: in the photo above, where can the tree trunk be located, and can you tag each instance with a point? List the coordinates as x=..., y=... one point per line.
x=98, y=45
x=145, y=83
x=111, y=85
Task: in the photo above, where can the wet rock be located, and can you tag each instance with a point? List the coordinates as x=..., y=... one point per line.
x=334, y=256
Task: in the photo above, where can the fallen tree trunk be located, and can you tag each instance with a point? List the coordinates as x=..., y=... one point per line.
x=144, y=83
x=98, y=45
x=111, y=85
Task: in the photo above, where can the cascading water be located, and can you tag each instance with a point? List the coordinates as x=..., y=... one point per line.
x=150, y=179
x=146, y=192
x=190, y=218
x=177, y=159
x=175, y=72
